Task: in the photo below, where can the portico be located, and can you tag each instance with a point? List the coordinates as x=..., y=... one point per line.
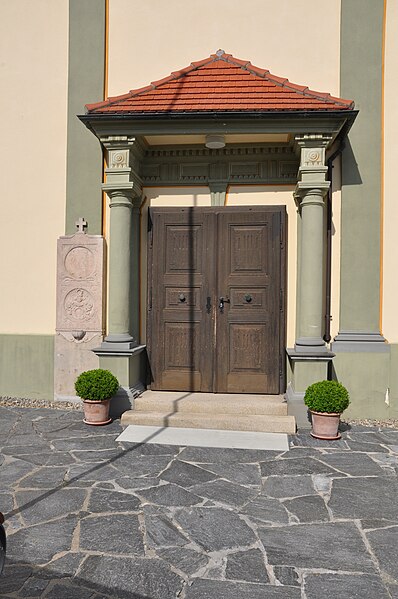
x=276, y=133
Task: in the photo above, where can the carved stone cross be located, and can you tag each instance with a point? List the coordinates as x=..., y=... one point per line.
x=80, y=224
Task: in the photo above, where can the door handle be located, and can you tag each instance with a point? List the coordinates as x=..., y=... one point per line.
x=222, y=301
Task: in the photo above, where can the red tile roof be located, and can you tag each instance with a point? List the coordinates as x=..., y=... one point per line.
x=220, y=83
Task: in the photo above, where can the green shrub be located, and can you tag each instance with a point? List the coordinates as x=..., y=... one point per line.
x=96, y=385
x=327, y=396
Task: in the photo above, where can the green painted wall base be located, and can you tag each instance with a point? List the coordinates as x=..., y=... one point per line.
x=393, y=388
x=131, y=374
x=306, y=372
x=372, y=382
x=27, y=366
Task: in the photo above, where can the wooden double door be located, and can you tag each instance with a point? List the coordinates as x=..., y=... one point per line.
x=216, y=303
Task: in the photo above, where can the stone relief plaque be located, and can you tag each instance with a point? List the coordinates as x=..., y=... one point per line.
x=80, y=283
x=80, y=307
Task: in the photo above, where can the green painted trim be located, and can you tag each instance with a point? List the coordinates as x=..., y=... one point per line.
x=27, y=366
x=85, y=85
x=129, y=370
x=327, y=122
x=361, y=79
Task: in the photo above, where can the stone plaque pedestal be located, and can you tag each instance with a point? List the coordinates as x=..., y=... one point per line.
x=80, y=309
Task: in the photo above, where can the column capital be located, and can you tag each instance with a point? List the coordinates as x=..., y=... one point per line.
x=122, y=141
x=123, y=150
x=127, y=193
x=308, y=192
x=124, y=158
x=313, y=170
x=312, y=140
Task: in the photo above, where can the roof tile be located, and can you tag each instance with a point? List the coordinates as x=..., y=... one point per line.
x=220, y=83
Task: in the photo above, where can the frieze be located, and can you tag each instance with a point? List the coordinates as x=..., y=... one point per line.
x=262, y=164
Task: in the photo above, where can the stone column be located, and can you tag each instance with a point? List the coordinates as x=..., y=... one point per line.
x=311, y=190
x=119, y=300
x=308, y=361
x=123, y=187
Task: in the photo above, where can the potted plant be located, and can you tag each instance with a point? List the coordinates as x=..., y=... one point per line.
x=96, y=387
x=326, y=400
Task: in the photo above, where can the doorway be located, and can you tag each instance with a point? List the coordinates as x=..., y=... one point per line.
x=216, y=299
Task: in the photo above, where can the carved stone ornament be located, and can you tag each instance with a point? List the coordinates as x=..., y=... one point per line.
x=79, y=305
x=313, y=157
x=118, y=158
x=77, y=337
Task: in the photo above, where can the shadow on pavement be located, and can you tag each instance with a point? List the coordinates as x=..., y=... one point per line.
x=54, y=582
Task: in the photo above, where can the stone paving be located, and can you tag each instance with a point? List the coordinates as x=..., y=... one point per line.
x=89, y=518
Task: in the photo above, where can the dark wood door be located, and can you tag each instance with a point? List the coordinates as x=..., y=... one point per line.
x=216, y=309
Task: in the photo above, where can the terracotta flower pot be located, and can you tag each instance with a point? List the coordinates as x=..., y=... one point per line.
x=96, y=412
x=325, y=426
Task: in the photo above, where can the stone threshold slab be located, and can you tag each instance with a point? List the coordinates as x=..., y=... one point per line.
x=192, y=437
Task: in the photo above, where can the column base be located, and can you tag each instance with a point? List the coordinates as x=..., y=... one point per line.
x=118, y=344
x=310, y=345
x=360, y=341
x=130, y=371
x=114, y=348
x=304, y=369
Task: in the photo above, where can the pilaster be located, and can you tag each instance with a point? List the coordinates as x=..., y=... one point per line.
x=361, y=192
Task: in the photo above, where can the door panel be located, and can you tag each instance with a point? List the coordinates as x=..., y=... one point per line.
x=200, y=255
x=248, y=327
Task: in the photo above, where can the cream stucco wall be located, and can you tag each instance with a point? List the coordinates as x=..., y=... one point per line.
x=297, y=39
x=390, y=248
x=33, y=105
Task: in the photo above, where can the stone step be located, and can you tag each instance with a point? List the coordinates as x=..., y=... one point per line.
x=211, y=403
x=257, y=423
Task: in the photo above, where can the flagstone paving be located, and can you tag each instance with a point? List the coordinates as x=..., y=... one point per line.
x=90, y=518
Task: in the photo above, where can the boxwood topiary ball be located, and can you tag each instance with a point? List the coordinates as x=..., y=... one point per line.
x=327, y=396
x=96, y=385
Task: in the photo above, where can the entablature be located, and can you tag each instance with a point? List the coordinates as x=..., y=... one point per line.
x=198, y=165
